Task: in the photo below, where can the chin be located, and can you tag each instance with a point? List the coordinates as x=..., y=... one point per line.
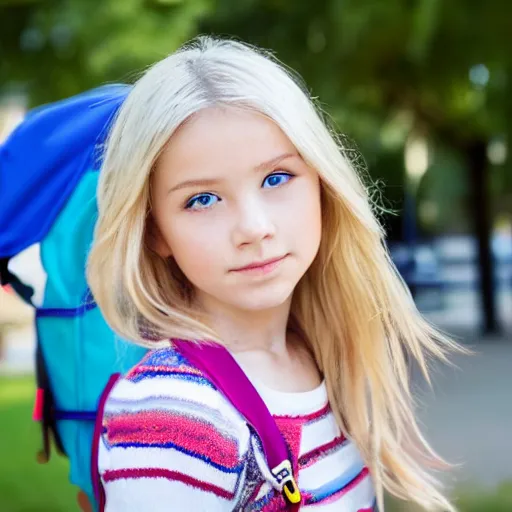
x=260, y=300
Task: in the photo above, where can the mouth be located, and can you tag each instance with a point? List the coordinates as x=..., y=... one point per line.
x=264, y=266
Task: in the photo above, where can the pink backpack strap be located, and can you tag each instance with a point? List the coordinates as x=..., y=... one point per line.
x=222, y=369
x=99, y=492
x=225, y=373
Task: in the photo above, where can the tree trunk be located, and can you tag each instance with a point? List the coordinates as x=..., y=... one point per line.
x=476, y=154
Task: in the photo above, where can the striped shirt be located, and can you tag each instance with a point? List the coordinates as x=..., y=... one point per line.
x=172, y=441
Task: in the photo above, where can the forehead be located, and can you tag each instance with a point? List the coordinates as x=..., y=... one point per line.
x=221, y=141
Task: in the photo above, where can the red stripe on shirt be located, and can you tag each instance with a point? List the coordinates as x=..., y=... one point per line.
x=314, y=455
x=305, y=418
x=157, y=427
x=137, y=473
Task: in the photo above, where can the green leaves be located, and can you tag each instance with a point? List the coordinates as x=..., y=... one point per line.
x=447, y=65
x=61, y=48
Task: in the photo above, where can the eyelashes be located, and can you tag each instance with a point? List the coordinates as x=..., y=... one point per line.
x=201, y=201
x=276, y=179
x=206, y=200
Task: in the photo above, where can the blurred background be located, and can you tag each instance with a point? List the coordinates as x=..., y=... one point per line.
x=421, y=88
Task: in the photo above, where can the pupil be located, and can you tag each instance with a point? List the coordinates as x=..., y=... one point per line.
x=204, y=200
x=274, y=180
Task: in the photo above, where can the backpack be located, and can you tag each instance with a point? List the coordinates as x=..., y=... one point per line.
x=49, y=168
x=48, y=175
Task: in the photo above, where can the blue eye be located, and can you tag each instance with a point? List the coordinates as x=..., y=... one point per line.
x=201, y=201
x=276, y=179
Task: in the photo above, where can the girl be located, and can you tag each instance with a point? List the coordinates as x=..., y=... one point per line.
x=229, y=213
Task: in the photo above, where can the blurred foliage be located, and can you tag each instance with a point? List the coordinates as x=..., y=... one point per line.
x=386, y=69
x=381, y=69
x=58, y=48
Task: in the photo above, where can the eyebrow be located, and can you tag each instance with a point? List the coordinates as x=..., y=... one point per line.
x=210, y=182
x=273, y=162
x=194, y=183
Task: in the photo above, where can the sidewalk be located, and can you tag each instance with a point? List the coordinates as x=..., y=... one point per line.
x=467, y=416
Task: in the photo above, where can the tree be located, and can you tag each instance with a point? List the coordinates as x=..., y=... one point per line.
x=444, y=67
x=57, y=49
x=445, y=64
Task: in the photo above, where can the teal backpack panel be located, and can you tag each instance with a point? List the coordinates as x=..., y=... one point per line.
x=65, y=247
x=80, y=351
x=49, y=167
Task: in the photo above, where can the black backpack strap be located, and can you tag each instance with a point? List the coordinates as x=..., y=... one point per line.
x=6, y=277
x=44, y=410
x=44, y=404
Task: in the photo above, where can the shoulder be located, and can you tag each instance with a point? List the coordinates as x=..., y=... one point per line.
x=165, y=402
x=168, y=432
x=164, y=369
x=163, y=376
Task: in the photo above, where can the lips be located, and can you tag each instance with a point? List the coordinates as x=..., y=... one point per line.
x=260, y=264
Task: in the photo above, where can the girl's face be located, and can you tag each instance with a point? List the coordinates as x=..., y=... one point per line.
x=237, y=208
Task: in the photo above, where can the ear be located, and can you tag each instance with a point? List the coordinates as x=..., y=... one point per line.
x=155, y=241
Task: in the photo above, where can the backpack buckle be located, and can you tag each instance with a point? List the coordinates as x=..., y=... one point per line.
x=284, y=476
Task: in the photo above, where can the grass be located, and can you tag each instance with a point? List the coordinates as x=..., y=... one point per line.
x=26, y=486
x=470, y=500
x=499, y=500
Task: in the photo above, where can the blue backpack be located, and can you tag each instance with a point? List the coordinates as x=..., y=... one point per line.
x=48, y=175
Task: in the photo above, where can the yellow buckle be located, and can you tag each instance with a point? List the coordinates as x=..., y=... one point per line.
x=284, y=477
x=291, y=491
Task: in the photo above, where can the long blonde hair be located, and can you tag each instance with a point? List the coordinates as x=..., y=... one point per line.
x=355, y=312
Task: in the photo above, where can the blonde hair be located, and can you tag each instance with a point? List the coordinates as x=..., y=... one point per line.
x=355, y=312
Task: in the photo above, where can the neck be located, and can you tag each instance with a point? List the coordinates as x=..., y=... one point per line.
x=249, y=330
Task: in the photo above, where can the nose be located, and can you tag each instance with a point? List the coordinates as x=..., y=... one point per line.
x=253, y=223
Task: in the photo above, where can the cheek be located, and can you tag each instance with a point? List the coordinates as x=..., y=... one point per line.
x=196, y=246
x=304, y=219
